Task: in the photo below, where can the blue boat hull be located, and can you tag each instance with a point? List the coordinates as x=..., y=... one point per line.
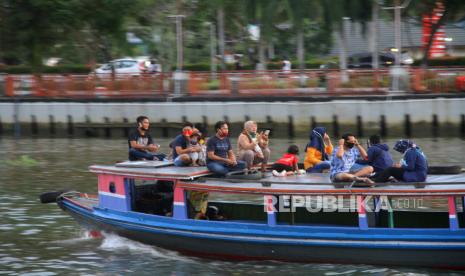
x=260, y=242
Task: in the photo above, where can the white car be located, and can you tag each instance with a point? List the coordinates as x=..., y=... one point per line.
x=123, y=67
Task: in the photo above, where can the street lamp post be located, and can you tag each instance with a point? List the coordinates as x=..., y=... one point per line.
x=179, y=77
x=212, y=50
x=343, y=51
x=397, y=71
x=374, y=36
x=179, y=47
x=397, y=32
x=448, y=41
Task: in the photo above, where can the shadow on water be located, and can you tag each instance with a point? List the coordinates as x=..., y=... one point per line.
x=39, y=239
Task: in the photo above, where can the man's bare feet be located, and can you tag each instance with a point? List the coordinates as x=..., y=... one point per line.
x=365, y=180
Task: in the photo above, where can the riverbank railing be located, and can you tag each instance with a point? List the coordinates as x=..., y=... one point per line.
x=235, y=83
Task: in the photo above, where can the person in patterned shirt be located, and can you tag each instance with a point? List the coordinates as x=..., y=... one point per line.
x=343, y=166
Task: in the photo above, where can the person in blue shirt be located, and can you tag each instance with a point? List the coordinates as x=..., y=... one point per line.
x=378, y=155
x=343, y=166
x=220, y=156
x=182, y=147
x=412, y=168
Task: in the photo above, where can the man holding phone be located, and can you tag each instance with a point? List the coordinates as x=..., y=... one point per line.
x=252, y=146
x=140, y=142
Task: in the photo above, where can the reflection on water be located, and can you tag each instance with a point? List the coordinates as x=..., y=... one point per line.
x=39, y=239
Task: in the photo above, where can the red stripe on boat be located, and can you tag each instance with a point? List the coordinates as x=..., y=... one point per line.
x=107, y=182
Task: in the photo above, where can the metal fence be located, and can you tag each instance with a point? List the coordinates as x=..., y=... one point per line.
x=236, y=83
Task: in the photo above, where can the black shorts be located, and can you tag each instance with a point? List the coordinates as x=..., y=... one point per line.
x=281, y=167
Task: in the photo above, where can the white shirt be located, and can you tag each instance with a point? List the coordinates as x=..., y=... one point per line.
x=287, y=66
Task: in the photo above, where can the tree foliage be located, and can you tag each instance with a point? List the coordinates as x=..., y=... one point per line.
x=88, y=31
x=454, y=10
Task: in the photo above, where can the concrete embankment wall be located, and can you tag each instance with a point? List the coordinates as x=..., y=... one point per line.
x=418, y=118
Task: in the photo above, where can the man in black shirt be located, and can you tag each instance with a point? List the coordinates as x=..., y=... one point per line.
x=141, y=144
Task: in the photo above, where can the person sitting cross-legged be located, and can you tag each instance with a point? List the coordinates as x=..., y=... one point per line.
x=220, y=156
x=412, y=168
x=378, y=155
x=182, y=148
x=140, y=142
x=343, y=166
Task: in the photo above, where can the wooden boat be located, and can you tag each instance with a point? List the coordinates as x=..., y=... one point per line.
x=130, y=196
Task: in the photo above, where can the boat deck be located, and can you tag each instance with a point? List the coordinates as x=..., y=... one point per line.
x=319, y=183
x=83, y=200
x=153, y=169
x=199, y=178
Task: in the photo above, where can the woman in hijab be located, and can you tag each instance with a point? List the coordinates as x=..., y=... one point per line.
x=317, y=152
x=412, y=168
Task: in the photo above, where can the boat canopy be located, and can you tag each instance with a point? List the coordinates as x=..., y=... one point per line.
x=319, y=184
x=161, y=172
x=199, y=178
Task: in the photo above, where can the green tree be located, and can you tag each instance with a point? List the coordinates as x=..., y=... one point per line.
x=30, y=28
x=300, y=12
x=106, y=21
x=453, y=10
x=263, y=13
x=335, y=14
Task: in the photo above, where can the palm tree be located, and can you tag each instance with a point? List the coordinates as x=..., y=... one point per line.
x=453, y=10
x=337, y=16
x=299, y=12
x=262, y=13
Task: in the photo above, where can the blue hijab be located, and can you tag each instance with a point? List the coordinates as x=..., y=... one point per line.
x=403, y=145
x=316, y=141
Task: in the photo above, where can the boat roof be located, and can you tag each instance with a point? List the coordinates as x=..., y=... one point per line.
x=320, y=184
x=144, y=164
x=199, y=178
x=154, y=169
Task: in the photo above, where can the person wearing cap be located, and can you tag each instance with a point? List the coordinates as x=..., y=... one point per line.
x=412, y=168
x=182, y=147
x=194, y=142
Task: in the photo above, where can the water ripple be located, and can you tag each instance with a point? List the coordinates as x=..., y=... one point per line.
x=40, y=239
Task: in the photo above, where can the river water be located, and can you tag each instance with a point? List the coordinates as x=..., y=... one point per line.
x=40, y=239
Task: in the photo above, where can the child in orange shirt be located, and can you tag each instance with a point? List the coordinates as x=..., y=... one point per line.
x=287, y=164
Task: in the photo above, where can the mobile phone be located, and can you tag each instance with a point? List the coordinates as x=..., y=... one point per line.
x=267, y=132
